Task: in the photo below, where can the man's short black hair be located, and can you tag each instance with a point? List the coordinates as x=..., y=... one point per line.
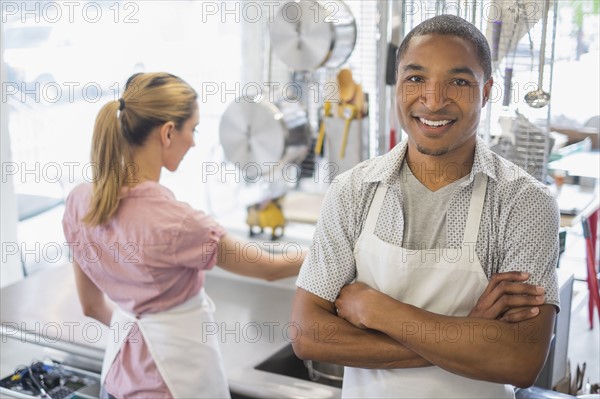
x=452, y=25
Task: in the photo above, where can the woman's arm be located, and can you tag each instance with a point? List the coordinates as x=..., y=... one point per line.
x=92, y=300
x=249, y=259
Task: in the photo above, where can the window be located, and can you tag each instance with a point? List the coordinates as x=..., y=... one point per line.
x=65, y=60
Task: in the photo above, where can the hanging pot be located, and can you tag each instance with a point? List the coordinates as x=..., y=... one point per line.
x=307, y=35
x=258, y=135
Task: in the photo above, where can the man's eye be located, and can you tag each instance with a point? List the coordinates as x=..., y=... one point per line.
x=414, y=79
x=460, y=82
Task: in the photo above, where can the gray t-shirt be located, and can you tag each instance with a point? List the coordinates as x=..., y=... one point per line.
x=425, y=211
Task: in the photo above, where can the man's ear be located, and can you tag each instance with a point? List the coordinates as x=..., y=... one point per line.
x=487, y=91
x=167, y=130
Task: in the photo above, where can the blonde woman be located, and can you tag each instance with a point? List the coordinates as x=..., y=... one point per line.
x=148, y=252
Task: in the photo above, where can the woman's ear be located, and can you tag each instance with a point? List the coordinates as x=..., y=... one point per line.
x=167, y=130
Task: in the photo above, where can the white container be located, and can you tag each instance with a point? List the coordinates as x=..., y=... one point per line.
x=357, y=145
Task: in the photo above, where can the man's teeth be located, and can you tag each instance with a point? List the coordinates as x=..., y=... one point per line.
x=434, y=123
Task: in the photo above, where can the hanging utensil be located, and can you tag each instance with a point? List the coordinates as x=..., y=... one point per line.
x=349, y=92
x=349, y=114
x=539, y=98
x=528, y=29
x=496, y=34
x=508, y=70
x=326, y=113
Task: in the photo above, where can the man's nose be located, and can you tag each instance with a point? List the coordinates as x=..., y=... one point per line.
x=434, y=96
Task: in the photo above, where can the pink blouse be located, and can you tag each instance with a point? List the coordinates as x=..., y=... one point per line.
x=149, y=257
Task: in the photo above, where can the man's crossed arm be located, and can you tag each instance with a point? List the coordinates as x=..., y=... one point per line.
x=504, y=339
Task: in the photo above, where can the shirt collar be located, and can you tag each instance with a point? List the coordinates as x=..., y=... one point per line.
x=146, y=189
x=484, y=160
x=387, y=170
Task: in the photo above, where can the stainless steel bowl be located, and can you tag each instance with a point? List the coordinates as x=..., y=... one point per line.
x=257, y=134
x=307, y=35
x=329, y=371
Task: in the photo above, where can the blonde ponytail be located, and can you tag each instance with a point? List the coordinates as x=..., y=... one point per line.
x=149, y=100
x=110, y=155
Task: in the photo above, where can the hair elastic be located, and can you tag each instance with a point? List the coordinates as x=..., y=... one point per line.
x=121, y=104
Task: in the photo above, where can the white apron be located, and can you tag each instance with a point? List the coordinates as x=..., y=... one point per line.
x=444, y=281
x=189, y=361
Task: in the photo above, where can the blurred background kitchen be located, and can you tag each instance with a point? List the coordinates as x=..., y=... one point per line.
x=291, y=94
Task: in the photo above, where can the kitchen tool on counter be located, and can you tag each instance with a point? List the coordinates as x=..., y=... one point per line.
x=539, y=98
x=50, y=379
x=346, y=140
x=523, y=143
x=351, y=104
x=267, y=214
x=307, y=35
x=579, y=375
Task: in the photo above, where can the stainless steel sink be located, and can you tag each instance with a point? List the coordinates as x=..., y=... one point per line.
x=285, y=362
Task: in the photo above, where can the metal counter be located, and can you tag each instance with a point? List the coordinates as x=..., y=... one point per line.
x=252, y=323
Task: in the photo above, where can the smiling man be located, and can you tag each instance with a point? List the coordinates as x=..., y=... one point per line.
x=432, y=270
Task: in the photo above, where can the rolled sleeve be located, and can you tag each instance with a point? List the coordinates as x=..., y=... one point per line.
x=76, y=205
x=197, y=241
x=532, y=240
x=330, y=264
x=69, y=227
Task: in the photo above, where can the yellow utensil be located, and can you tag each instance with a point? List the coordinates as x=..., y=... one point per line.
x=326, y=112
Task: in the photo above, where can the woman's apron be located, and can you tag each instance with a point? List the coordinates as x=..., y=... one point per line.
x=444, y=281
x=189, y=362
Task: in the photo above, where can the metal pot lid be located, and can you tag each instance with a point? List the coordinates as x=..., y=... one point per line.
x=301, y=36
x=252, y=132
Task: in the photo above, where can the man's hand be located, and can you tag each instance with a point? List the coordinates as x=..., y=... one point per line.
x=354, y=302
x=507, y=298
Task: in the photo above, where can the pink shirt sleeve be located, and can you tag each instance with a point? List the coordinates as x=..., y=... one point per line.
x=197, y=241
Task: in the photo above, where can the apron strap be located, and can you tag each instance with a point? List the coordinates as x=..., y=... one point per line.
x=375, y=207
x=121, y=323
x=475, y=209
